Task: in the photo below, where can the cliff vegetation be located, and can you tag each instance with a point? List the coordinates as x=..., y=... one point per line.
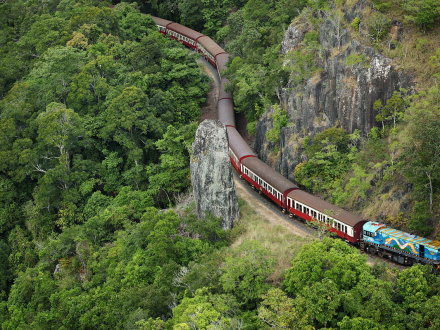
x=358, y=84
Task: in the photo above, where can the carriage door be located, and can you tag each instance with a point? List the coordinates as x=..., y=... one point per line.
x=421, y=251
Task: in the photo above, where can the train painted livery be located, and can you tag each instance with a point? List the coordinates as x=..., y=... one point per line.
x=401, y=247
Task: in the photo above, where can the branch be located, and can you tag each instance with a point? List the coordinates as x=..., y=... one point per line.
x=38, y=168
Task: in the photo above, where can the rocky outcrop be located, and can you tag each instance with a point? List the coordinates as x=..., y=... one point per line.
x=341, y=93
x=211, y=174
x=294, y=36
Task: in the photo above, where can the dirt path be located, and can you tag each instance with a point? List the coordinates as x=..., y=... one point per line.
x=267, y=210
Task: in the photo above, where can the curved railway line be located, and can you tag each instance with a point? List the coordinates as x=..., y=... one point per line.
x=370, y=236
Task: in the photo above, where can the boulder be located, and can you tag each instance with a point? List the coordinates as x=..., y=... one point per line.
x=211, y=174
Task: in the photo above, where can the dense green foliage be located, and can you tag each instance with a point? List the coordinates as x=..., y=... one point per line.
x=98, y=111
x=333, y=287
x=253, y=35
x=93, y=115
x=97, y=115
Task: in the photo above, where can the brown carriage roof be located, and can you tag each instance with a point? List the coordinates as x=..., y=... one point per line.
x=222, y=59
x=238, y=144
x=268, y=174
x=210, y=45
x=222, y=92
x=161, y=21
x=320, y=205
x=226, y=113
x=183, y=30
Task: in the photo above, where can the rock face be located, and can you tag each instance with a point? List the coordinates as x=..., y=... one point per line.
x=340, y=94
x=211, y=174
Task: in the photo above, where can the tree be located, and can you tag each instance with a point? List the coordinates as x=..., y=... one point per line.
x=5, y=271
x=172, y=176
x=132, y=123
x=90, y=87
x=245, y=273
x=51, y=77
x=320, y=302
x=422, y=149
x=46, y=32
x=60, y=128
x=393, y=110
x=327, y=259
x=357, y=323
x=201, y=311
x=424, y=13
x=378, y=106
x=280, y=312
x=413, y=286
x=191, y=14
x=335, y=19
x=132, y=24
x=214, y=13
x=378, y=26
x=280, y=119
x=247, y=86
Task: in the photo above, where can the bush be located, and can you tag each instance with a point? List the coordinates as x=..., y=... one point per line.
x=355, y=23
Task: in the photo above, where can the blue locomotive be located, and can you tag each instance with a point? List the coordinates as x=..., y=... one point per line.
x=399, y=246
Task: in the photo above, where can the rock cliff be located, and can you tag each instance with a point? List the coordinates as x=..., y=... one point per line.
x=340, y=93
x=211, y=174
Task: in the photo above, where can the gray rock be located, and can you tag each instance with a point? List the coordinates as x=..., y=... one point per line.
x=339, y=95
x=57, y=269
x=355, y=11
x=294, y=36
x=211, y=174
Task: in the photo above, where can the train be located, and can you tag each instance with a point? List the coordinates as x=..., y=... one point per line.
x=370, y=236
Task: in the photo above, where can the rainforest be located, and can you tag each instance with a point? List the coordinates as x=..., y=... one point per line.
x=98, y=112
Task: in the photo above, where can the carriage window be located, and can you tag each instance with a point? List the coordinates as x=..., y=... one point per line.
x=345, y=229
